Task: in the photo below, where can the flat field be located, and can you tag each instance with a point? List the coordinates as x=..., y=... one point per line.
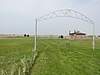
x=55, y=56
x=12, y=50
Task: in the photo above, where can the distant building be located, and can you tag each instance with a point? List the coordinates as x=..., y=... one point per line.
x=76, y=35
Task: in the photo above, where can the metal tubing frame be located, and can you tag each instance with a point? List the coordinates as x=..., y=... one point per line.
x=65, y=13
x=93, y=43
x=35, y=39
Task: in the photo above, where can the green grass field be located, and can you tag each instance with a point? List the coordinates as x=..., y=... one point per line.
x=55, y=56
x=12, y=50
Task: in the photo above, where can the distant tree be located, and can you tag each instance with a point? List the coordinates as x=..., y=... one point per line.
x=24, y=35
x=61, y=36
x=27, y=35
x=99, y=36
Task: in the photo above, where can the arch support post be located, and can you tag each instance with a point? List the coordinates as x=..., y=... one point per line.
x=93, y=42
x=35, y=39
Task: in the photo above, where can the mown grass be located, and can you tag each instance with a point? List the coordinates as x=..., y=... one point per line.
x=67, y=57
x=55, y=56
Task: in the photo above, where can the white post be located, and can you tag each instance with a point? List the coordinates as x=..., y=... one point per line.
x=93, y=43
x=19, y=71
x=35, y=41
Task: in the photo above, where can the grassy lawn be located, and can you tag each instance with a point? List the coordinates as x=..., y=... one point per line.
x=12, y=50
x=67, y=57
x=55, y=56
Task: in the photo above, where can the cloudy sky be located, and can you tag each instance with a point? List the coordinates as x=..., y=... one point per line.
x=18, y=16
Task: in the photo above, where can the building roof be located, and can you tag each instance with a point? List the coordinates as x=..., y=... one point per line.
x=77, y=33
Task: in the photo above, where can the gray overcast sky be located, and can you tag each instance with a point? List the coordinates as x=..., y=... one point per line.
x=18, y=16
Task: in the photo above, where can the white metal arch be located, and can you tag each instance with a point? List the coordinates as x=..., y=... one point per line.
x=65, y=13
